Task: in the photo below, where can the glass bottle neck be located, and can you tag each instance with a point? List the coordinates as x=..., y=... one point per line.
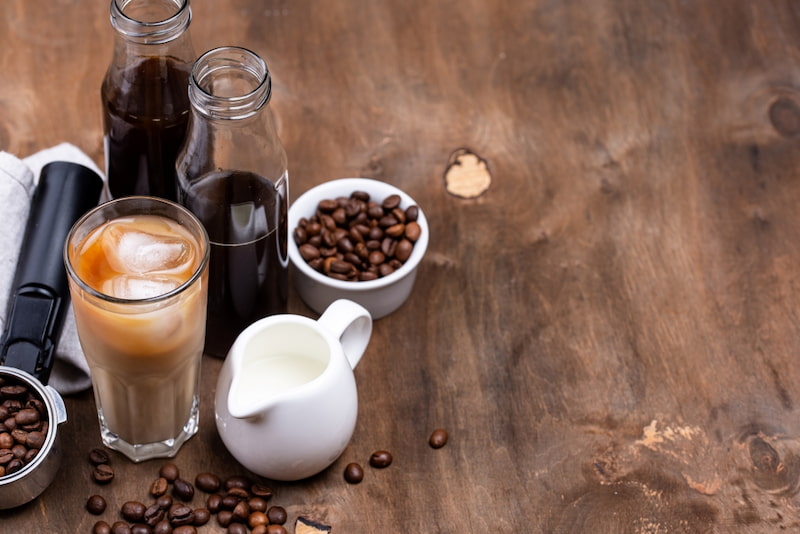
x=229, y=83
x=150, y=22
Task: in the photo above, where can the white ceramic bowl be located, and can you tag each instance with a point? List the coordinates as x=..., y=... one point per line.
x=381, y=296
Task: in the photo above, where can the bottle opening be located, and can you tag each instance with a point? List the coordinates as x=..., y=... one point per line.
x=151, y=22
x=229, y=82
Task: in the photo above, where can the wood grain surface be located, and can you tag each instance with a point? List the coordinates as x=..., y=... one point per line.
x=609, y=332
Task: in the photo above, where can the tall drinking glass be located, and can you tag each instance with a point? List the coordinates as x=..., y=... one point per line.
x=138, y=279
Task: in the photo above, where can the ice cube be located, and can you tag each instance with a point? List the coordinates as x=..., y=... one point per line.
x=137, y=252
x=132, y=286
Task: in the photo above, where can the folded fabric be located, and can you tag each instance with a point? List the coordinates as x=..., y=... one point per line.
x=18, y=180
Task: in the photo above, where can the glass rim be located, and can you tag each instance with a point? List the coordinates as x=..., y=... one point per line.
x=238, y=106
x=196, y=274
x=153, y=32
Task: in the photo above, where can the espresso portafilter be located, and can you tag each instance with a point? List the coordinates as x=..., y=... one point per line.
x=36, y=311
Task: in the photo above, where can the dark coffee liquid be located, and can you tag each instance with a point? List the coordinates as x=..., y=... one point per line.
x=246, y=221
x=145, y=114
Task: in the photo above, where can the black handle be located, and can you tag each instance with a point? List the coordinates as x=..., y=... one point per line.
x=40, y=294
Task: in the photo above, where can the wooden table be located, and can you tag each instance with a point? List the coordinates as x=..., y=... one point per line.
x=609, y=332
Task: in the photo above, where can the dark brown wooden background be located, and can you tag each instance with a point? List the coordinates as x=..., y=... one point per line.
x=610, y=333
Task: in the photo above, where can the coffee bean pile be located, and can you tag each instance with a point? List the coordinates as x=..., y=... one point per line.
x=354, y=238
x=238, y=504
x=23, y=425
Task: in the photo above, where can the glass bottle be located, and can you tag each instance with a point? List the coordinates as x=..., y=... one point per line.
x=144, y=95
x=232, y=173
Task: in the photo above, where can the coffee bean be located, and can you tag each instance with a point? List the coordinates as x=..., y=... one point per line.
x=154, y=514
x=164, y=502
x=237, y=481
x=207, y=482
x=101, y=527
x=181, y=515
x=159, y=487
x=438, y=438
x=275, y=529
x=276, y=515
x=224, y=518
x=380, y=459
x=35, y=440
x=162, y=527
x=133, y=511
x=214, y=503
x=98, y=456
x=185, y=529
x=139, y=528
x=201, y=516
x=260, y=490
x=169, y=471
x=14, y=465
x=103, y=474
x=241, y=511
x=237, y=528
x=96, y=505
x=27, y=416
x=120, y=527
x=15, y=391
x=353, y=473
x=260, y=529
x=257, y=504
x=182, y=490
x=257, y=518
x=6, y=441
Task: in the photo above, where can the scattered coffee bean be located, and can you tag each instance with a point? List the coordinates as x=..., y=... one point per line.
x=214, y=503
x=260, y=529
x=154, y=514
x=96, y=505
x=181, y=515
x=353, y=238
x=169, y=471
x=275, y=529
x=380, y=459
x=201, y=516
x=207, y=482
x=133, y=511
x=224, y=518
x=438, y=438
x=237, y=481
x=159, y=487
x=257, y=504
x=101, y=527
x=276, y=515
x=164, y=502
x=185, y=529
x=353, y=473
x=257, y=518
x=260, y=490
x=237, y=528
x=121, y=527
x=162, y=527
x=139, y=528
x=103, y=474
x=240, y=512
x=98, y=456
x=182, y=490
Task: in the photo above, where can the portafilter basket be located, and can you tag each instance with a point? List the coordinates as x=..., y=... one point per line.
x=36, y=312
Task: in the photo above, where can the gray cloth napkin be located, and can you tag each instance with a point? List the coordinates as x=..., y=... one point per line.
x=18, y=180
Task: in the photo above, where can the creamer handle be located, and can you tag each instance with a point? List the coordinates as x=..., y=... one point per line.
x=351, y=324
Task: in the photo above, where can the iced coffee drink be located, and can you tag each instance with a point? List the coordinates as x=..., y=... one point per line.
x=138, y=280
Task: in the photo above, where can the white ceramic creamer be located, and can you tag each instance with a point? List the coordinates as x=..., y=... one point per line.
x=286, y=401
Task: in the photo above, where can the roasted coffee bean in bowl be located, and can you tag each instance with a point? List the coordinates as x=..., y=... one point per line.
x=358, y=239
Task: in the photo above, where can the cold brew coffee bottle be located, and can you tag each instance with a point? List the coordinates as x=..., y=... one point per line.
x=144, y=95
x=232, y=174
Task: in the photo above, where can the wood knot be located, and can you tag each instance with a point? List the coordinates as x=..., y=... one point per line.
x=784, y=114
x=467, y=174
